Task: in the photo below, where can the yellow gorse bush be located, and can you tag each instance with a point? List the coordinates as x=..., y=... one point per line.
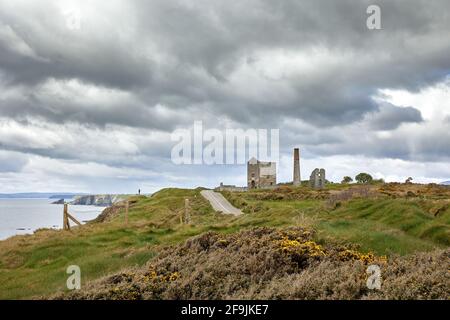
x=297, y=246
x=348, y=255
x=153, y=276
x=174, y=276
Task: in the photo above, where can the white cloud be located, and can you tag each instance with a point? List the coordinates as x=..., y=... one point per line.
x=433, y=102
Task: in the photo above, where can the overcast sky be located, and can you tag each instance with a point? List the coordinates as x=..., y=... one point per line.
x=90, y=91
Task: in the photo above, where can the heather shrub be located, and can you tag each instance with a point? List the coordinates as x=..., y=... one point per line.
x=268, y=263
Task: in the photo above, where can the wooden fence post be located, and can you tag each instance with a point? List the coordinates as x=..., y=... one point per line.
x=66, y=225
x=67, y=216
x=187, y=214
x=127, y=204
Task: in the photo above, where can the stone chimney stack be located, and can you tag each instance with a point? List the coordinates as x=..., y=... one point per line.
x=297, y=180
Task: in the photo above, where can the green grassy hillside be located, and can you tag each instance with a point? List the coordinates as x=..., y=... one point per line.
x=386, y=220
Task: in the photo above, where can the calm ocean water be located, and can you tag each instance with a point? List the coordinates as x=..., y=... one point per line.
x=23, y=216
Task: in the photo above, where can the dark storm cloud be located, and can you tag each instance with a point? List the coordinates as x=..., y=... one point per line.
x=161, y=64
x=390, y=117
x=99, y=57
x=121, y=109
x=214, y=36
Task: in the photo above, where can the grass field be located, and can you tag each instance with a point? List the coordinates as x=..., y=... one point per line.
x=386, y=220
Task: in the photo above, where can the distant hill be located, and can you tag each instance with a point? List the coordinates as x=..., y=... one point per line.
x=65, y=196
x=447, y=183
x=39, y=195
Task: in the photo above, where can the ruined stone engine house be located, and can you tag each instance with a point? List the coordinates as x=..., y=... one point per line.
x=261, y=174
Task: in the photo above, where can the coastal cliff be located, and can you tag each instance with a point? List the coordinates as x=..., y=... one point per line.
x=103, y=200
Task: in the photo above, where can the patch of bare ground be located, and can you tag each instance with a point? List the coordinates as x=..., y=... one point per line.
x=410, y=190
x=113, y=211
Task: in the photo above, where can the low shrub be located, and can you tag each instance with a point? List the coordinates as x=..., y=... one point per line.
x=267, y=263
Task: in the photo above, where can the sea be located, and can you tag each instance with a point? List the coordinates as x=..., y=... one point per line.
x=24, y=216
